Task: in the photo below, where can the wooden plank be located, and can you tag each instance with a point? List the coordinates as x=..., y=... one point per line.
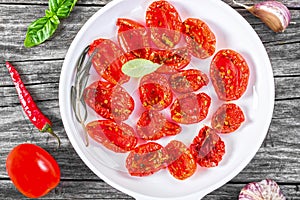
x=274, y=163
x=287, y=87
x=45, y=2
x=231, y=191
x=285, y=59
x=99, y=190
x=278, y=158
x=44, y=86
x=14, y=21
x=288, y=3
x=47, y=74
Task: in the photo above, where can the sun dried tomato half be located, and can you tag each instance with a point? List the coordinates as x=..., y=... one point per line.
x=199, y=37
x=229, y=73
x=189, y=80
x=108, y=59
x=208, y=148
x=134, y=37
x=146, y=159
x=227, y=118
x=181, y=163
x=152, y=125
x=171, y=60
x=165, y=24
x=109, y=101
x=117, y=137
x=155, y=92
x=190, y=108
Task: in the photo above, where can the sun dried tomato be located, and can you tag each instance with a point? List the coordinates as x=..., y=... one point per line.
x=207, y=147
x=165, y=24
x=155, y=92
x=190, y=108
x=229, y=73
x=171, y=60
x=199, y=37
x=189, y=80
x=117, y=137
x=227, y=118
x=134, y=37
x=108, y=59
x=181, y=163
x=152, y=125
x=109, y=101
x=146, y=159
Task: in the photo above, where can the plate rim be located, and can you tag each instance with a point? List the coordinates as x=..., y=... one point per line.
x=64, y=109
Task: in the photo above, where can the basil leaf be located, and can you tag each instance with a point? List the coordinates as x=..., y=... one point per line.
x=61, y=8
x=40, y=30
x=139, y=67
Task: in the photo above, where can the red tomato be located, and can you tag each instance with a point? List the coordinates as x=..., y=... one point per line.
x=190, y=108
x=208, y=148
x=165, y=24
x=189, y=80
x=172, y=60
x=181, y=163
x=152, y=125
x=108, y=60
x=200, y=39
x=227, y=118
x=32, y=170
x=155, y=92
x=134, y=37
x=109, y=101
x=118, y=137
x=146, y=159
x=229, y=73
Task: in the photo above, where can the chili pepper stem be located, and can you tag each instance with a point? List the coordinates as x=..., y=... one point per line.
x=240, y=4
x=48, y=128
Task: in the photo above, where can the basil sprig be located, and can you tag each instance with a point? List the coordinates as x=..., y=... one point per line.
x=43, y=28
x=61, y=8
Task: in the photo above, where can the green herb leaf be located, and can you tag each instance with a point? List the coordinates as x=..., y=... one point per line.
x=61, y=8
x=139, y=67
x=41, y=29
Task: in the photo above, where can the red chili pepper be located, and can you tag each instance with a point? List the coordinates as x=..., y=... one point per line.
x=35, y=115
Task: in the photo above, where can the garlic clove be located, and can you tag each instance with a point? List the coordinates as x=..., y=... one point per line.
x=273, y=13
x=270, y=190
x=251, y=191
x=264, y=190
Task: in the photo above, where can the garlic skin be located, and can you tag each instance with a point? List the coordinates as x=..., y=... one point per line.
x=273, y=13
x=264, y=190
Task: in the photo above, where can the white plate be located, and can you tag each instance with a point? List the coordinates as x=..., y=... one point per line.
x=232, y=31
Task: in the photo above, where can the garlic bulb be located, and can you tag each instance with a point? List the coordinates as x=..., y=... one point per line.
x=273, y=13
x=264, y=190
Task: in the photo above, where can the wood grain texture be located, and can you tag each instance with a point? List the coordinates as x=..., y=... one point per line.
x=98, y=190
x=288, y=3
x=56, y=47
x=278, y=158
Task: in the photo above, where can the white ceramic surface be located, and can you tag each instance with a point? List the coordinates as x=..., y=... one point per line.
x=232, y=31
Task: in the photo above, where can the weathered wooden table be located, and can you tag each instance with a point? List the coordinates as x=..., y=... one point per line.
x=278, y=158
